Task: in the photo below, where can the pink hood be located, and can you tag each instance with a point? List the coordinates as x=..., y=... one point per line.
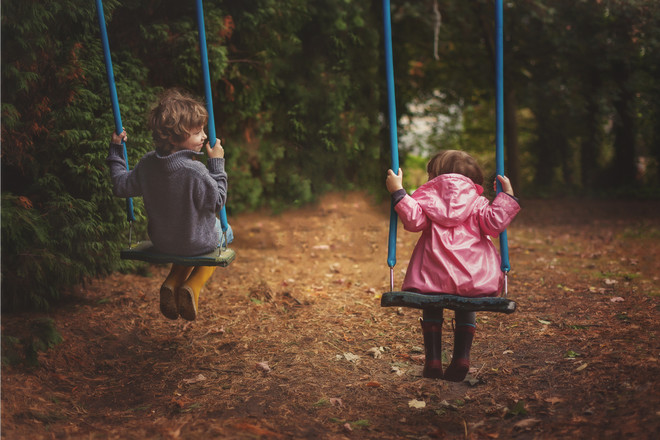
x=454, y=254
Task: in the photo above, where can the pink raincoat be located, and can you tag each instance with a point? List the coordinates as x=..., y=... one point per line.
x=454, y=255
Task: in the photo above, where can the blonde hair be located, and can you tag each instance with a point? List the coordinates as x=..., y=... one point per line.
x=173, y=119
x=455, y=161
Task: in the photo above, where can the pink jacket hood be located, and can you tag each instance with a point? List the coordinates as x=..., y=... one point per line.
x=448, y=199
x=454, y=254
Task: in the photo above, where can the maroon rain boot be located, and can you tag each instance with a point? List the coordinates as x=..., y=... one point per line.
x=432, y=349
x=460, y=361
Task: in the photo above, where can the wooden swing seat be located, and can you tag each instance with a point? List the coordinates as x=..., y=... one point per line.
x=144, y=251
x=441, y=301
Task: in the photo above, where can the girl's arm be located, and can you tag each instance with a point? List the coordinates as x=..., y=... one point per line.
x=495, y=217
x=410, y=213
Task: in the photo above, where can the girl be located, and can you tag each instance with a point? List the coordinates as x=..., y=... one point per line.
x=181, y=195
x=454, y=254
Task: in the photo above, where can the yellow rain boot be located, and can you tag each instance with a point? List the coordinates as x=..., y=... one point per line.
x=188, y=293
x=177, y=276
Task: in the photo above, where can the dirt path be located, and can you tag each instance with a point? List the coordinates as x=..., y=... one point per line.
x=291, y=341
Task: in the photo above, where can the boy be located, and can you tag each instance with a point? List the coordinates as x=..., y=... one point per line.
x=181, y=195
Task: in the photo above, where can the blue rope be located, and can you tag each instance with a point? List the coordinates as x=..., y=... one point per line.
x=207, y=92
x=499, y=120
x=391, y=106
x=119, y=127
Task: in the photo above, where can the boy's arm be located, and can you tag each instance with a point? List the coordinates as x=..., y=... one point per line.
x=124, y=183
x=216, y=167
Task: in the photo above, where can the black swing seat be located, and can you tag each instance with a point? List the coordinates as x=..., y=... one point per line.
x=434, y=302
x=144, y=251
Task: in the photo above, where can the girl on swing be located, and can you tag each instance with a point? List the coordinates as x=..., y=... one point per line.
x=181, y=195
x=454, y=254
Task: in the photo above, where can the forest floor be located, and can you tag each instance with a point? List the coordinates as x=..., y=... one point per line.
x=291, y=341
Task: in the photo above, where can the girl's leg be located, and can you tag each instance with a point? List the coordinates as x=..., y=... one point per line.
x=174, y=280
x=188, y=293
x=432, y=330
x=463, y=336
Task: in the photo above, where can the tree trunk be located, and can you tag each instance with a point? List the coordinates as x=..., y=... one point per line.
x=624, y=167
x=592, y=142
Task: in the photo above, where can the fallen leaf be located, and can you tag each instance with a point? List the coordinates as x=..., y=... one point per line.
x=581, y=367
x=257, y=430
x=554, y=400
x=199, y=378
x=350, y=357
x=526, y=424
x=419, y=358
x=518, y=409
x=336, y=402
x=417, y=404
x=215, y=330
x=617, y=299
x=347, y=427
x=373, y=384
x=263, y=366
x=375, y=352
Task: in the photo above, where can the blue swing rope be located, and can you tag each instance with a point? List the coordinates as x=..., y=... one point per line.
x=394, y=142
x=115, y=101
x=119, y=127
x=209, y=97
x=499, y=122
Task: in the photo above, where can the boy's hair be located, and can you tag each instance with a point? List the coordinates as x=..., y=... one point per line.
x=455, y=161
x=174, y=118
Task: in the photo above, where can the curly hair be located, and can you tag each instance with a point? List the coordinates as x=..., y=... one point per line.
x=173, y=119
x=455, y=161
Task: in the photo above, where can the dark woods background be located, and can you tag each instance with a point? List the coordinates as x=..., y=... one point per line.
x=299, y=95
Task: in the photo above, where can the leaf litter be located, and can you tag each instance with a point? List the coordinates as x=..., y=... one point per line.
x=304, y=293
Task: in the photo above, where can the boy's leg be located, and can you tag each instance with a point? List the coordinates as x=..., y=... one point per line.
x=176, y=277
x=432, y=330
x=188, y=293
x=463, y=336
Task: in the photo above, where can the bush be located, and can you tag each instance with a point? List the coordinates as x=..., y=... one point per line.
x=296, y=100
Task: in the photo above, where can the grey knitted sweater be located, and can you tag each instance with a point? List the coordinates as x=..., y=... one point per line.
x=181, y=197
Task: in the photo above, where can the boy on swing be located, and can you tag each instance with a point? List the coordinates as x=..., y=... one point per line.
x=454, y=254
x=181, y=195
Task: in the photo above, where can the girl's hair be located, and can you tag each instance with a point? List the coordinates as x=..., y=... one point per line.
x=174, y=118
x=455, y=161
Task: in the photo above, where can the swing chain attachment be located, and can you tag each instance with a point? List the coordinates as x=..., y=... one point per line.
x=224, y=240
x=391, y=278
x=506, y=283
x=130, y=234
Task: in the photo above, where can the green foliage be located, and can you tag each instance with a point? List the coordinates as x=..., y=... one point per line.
x=40, y=336
x=579, y=79
x=299, y=102
x=296, y=101
x=60, y=222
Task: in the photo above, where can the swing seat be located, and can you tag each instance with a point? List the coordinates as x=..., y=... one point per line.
x=145, y=251
x=440, y=301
